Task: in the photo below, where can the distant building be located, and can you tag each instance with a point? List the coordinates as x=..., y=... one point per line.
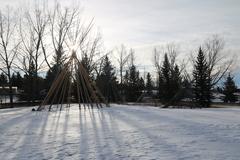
x=5, y=90
x=219, y=97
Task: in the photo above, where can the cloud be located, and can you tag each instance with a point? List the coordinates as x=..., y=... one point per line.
x=140, y=22
x=144, y=24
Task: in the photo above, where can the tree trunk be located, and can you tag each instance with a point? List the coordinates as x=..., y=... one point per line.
x=10, y=88
x=11, y=95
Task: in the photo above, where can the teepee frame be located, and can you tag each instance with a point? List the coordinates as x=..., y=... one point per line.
x=88, y=95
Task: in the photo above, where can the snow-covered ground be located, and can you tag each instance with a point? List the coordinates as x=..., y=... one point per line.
x=121, y=132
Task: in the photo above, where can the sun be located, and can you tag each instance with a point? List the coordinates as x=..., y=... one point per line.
x=73, y=48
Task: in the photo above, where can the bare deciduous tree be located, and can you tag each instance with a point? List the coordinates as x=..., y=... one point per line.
x=88, y=46
x=32, y=58
x=91, y=54
x=9, y=46
x=60, y=22
x=172, y=50
x=122, y=61
x=218, y=63
x=32, y=31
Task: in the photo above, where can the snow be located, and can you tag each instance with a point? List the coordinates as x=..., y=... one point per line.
x=6, y=99
x=120, y=132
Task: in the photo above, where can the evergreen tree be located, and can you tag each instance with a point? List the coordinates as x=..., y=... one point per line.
x=59, y=57
x=3, y=79
x=229, y=89
x=32, y=85
x=175, y=82
x=141, y=85
x=169, y=81
x=219, y=89
x=202, y=81
x=176, y=78
x=133, y=84
x=106, y=81
x=86, y=62
x=57, y=65
x=187, y=89
x=164, y=78
x=17, y=80
x=124, y=86
x=51, y=75
x=149, y=84
x=125, y=79
x=160, y=85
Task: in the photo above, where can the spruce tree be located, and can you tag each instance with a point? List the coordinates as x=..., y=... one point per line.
x=125, y=79
x=175, y=81
x=51, y=75
x=149, y=84
x=229, y=89
x=202, y=81
x=3, y=80
x=141, y=85
x=28, y=84
x=59, y=57
x=165, y=86
x=125, y=85
x=86, y=62
x=106, y=81
x=133, y=84
x=17, y=80
x=57, y=65
x=169, y=81
x=160, y=85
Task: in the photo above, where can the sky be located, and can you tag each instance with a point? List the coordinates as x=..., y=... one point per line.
x=141, y=22
x=145, y=24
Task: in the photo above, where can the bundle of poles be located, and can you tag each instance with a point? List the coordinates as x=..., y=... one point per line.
x=73, y=78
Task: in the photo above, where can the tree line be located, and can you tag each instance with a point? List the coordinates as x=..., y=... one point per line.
x=38, y=41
